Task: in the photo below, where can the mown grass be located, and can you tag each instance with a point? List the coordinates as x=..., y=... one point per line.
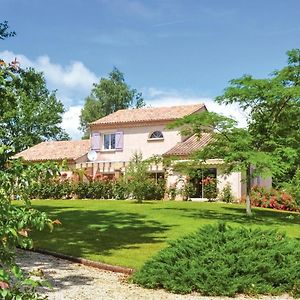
x=126, y=233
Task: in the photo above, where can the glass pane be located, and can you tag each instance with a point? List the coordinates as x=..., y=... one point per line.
x=113, y=141
x=106, y=141
x=156, y=135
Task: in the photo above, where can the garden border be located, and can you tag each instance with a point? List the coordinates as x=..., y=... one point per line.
x=85, y=262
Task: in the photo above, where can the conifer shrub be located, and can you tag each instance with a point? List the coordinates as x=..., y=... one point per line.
x=220, y=260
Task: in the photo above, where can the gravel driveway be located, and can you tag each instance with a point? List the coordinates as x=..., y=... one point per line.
x=72, y=281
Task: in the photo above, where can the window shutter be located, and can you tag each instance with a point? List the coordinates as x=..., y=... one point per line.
x=119, y=140
x=95, y=141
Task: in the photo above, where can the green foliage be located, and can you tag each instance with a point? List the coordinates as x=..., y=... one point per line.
x=235, y=146
x=4, y=33
x=108, y=96
x=226, y=194
x=140, y=185
x=29, y=113
x=187, y=191
x=223, y=261
x=293, y=187
x=273, y=109
x=275, y=199
x=97, y=189
x=16, y=222
x=209, y=186
x=51, y=189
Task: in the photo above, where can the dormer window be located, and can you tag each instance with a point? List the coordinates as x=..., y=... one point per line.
x=156, y=135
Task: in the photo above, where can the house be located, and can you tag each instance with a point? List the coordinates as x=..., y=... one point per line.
x=117, y=137
x=73, y=152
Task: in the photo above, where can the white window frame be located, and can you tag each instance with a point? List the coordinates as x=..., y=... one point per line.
x=110, y=140
x=156, y=138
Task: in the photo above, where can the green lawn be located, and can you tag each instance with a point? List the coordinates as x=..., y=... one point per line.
x=126, y=233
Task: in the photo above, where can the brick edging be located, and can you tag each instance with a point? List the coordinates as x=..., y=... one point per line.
x=85, y=262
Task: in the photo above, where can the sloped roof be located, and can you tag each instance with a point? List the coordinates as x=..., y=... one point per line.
x=150, y=114
x=190, y=145
x=55, y=150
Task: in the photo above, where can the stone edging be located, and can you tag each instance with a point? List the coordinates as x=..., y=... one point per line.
x=86, y=262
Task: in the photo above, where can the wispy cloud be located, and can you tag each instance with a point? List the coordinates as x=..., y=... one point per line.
x=175, y=22
x=120, y=38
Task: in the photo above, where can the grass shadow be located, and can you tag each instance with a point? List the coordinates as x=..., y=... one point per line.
x=85, y=232
x=229, y=213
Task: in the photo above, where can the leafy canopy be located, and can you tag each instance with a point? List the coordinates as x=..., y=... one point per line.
x=29, y=113
x=273, y=108
x=108, y=96
x=235, y=146
x=4, y=33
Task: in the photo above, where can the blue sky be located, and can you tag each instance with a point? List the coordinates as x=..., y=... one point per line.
x=174, y=51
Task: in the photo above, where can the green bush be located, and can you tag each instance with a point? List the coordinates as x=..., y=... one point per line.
x=147, y=189
x=51, y=189
x=293, y=187
x=120, y=190
x=226, y=194
x=223, y=261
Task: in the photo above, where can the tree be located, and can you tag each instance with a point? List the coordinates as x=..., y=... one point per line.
x=108, y=96
x=4, y=33
x=236, y=146
x=137, y=177
x=16, y=222
x=16, y=179
x=29, y=113
x=273, y=107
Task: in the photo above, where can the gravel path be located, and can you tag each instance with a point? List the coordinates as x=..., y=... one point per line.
x=71, y=281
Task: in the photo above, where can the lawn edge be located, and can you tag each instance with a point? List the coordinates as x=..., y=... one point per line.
x=85, y=262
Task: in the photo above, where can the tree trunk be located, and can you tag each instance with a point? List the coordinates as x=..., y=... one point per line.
x=248, y=191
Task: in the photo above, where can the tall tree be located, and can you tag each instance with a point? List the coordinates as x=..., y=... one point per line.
x=273, y=107
x=236, y=146
x=108, y=96
x=29, y=113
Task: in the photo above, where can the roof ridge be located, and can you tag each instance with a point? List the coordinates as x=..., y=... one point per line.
x=149, y=114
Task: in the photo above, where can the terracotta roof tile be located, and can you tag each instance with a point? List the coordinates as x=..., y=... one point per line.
x=190, y=145
x=149, y=114
x=55, y=150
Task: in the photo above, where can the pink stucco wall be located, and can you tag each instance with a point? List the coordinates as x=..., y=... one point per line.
x=136, y=139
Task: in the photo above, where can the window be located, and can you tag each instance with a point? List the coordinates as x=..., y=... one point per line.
x=156, y=135
x=109, y=141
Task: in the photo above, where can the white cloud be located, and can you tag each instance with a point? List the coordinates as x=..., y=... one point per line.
x=156, y=97
x=71, y=121
x=73, y=83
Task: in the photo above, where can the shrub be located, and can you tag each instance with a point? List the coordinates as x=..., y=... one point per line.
x=293, y=187
x=138, y=182
x=187, y=191
x=223, y=261
x=226, y=194
x=51, y=189
x=120, y=190
x=172, y=192
x=272, y=199
x=209, y=186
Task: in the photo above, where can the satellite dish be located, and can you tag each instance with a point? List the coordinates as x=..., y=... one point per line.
x=92, y=155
